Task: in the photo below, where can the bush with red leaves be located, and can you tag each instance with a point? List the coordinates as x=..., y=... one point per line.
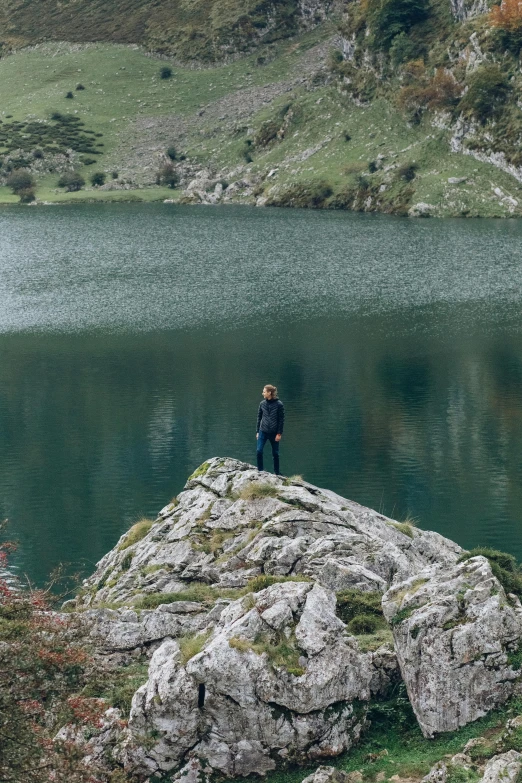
x=43, y=666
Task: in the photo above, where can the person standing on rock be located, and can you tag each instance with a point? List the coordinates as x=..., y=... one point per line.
x=270, y=423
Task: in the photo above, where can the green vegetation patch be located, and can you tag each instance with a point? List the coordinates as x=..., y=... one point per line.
x=515, y=658
x=262, y=581
x=393, y=728
x=307, y=195
x=403, y=527
x=117, y=686
x=136, y=533
x=258, y=489
x=192, y=644
x=127, y=561
x=214, y=542
x=201, y=471
x=208, y=594
x=372, y=641
x=199, y=592
x=353, y=603
x=402, y=615
x=37, y=138
x=282, y=653
x=362, y=613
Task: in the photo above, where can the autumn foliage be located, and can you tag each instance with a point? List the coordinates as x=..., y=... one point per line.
x=43, y=666
x=442, y=91
x=507, y=15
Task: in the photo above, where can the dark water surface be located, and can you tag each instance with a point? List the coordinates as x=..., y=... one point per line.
x=135, y=339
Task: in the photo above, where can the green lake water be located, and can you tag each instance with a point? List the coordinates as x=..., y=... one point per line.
x=135, y=340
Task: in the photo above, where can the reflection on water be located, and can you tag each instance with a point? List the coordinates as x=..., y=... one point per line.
x=395, y=344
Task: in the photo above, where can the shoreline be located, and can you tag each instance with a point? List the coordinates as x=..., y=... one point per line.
x=157, y=196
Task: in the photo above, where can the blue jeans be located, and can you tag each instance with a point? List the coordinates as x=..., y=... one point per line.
x=261, y=440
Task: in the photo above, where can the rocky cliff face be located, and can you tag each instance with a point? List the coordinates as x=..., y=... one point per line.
x=238, y=595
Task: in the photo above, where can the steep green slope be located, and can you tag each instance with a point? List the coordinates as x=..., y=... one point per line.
x=402, y=106
x=279, y=132
x=188, y=29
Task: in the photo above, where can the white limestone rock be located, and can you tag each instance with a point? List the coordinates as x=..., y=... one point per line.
x=281, y=680
x=125, y=629
x=328, y=775
x=504, y=768
x=453, y=628
x=232, y=523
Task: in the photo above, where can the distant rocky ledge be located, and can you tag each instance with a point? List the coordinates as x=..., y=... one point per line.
x=273, y=612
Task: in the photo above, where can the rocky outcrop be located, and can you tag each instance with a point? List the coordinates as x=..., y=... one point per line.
x=238, y=595
x=277, y=679
x=231, y=524
x=468, y=9
x=453, y=630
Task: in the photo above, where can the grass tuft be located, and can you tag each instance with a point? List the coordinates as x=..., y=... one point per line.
x=190, y=645
x=282, y=653
x=136, y=533
x=258, y=490
x=262, y=581
x=403, y=527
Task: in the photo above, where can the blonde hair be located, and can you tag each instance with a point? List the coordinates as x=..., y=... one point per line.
x=271, y=389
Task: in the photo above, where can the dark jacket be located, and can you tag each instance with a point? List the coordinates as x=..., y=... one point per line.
x=271, y=417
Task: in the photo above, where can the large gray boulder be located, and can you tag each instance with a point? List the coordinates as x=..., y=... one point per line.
x=232, y=523
x=232, y=591
x=277, y=679
x=453, y=630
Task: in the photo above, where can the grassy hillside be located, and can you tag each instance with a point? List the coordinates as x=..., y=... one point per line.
x=280, y=126
x=387, y=105
x=188, y=29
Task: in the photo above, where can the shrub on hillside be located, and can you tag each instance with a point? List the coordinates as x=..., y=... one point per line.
x=20, y=180
x=487, y=93
x=407, y=171
x=389, y=18
x=167, y=175
x=27, y=196
x=247, y=151
x=172, y=153
x=165, y=72
x=507, y=19
x=80, y=87
x=98, y=178
x=402, y=49
x=266, y=133
x=69, y=95
x=440, y=92
x=71, y=181
x=309, y=195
